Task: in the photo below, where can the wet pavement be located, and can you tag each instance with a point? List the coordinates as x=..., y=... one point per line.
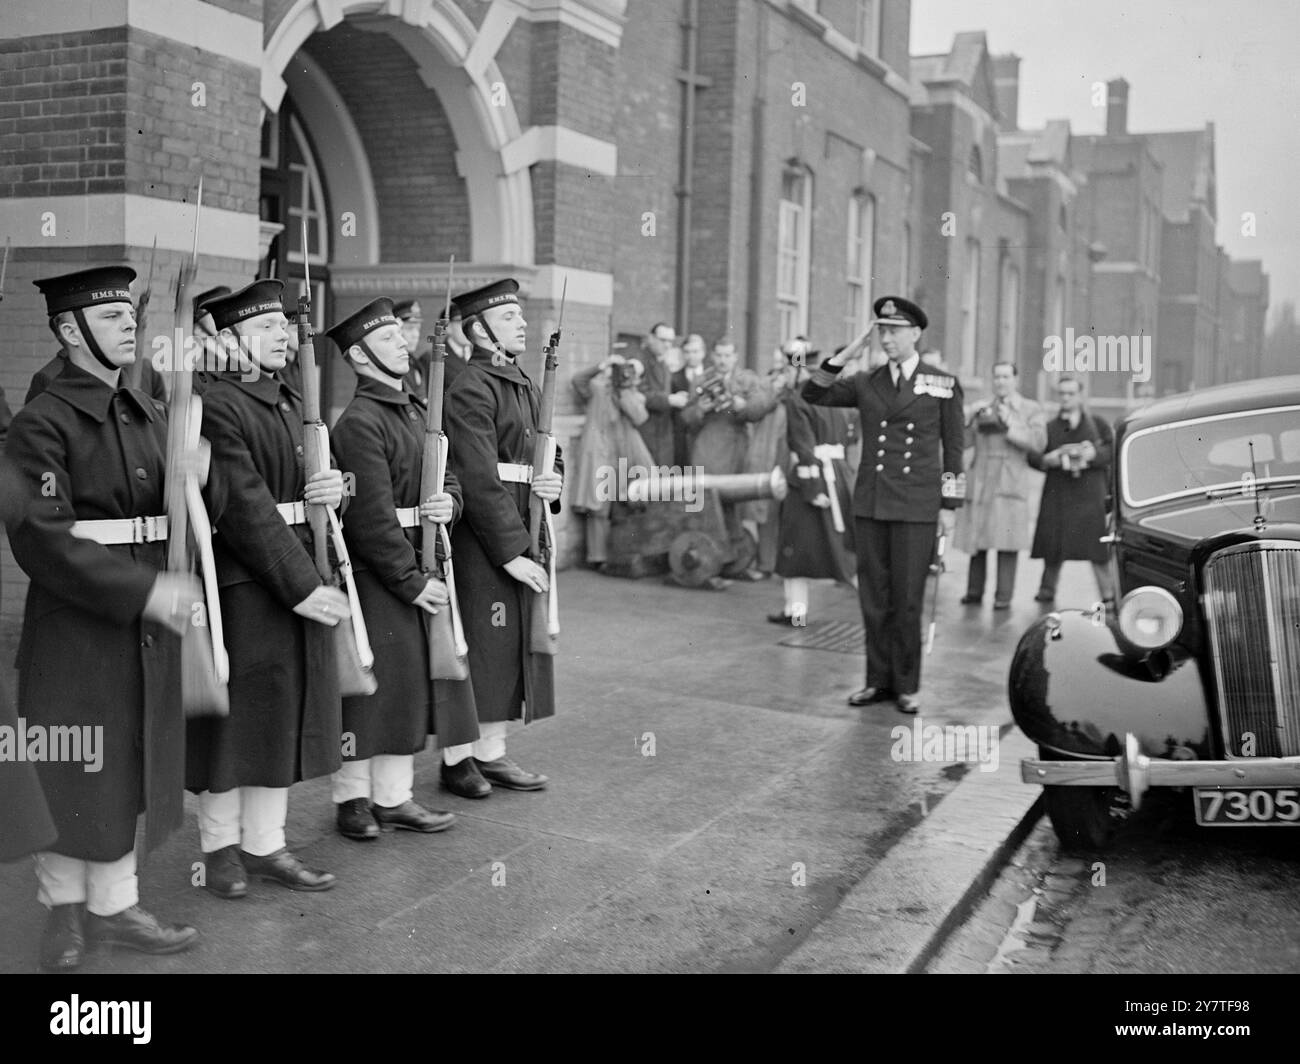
x=713, y=803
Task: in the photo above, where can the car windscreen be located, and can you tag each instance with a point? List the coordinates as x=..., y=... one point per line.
x=1190, y=457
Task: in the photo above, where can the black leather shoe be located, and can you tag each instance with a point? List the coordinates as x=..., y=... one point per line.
x=464, y=779
x=412, y=817
x=505, y=773
x=786, y=619
x=971, y=600
x=1045, y=596
x=355, y=820
x=868, y=695
x=224, y=873
x=908, y=704
x=138, y=930
x=63, y=944
x=284, y=867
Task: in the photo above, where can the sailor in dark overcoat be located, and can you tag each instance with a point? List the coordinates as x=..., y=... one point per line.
x=910, y=477
x=816, y=518
x=285, y=711
x=491, y=417
x=100, y=648
x=379, y=440
x=1072, y=515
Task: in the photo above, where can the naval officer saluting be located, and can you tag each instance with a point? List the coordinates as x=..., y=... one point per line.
x=909, y=479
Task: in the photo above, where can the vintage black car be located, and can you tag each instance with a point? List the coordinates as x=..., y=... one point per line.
x=1194, y=679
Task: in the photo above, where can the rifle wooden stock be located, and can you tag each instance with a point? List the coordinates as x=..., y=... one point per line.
x=205, y=669
x=355, y=661
x=545, y=627
x=448, y=652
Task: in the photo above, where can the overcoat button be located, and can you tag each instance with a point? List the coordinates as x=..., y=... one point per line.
x=883, y=424
x=298, y=449
x=910, y=426
x=284, y=406
x=907, y=469
x=880, y=454
x=907, y=454
x=148, y=641
x=908, y=440
x=882, y=439
x=124, y=418
x=140, y=473
x=879, y=468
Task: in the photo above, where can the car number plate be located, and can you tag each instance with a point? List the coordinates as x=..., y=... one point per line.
x=1255, y=806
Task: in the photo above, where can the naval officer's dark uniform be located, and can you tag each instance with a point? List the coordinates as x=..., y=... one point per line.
x=911, y=467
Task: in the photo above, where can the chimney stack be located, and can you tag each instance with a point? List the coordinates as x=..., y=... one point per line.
x=1006, y=88
x=1116, y=107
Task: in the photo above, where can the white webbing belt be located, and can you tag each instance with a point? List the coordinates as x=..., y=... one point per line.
x=294, y=513
x=826, y=453
x=515, y=473
x=408, y=516
x=114, y=530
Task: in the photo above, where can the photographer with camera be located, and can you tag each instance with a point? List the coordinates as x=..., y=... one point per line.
x=616, y=408
x=1003, y=431
x=1072, y=517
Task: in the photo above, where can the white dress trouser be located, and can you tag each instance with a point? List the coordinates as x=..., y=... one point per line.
x=386, y=779
x=107, y=887
x=490, y=745
x=251, y=818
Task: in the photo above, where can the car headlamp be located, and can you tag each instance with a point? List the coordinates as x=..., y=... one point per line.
x=1150, y=618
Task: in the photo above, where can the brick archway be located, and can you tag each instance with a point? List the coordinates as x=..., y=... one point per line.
x=441, y=40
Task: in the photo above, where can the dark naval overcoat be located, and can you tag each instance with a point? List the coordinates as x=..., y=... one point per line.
x=86, y=659
x=491, y=416
x=379, y=443
x=285, y=712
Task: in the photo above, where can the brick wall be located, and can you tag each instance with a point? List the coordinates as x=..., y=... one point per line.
x=423, y=203
x=62, y=114
x=648, y=120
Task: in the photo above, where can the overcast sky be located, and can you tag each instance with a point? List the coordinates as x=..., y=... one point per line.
x=1231, y=62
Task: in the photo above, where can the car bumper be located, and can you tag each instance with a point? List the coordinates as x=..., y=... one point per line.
x=1136, y=773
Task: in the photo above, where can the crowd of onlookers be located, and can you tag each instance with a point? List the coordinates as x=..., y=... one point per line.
x=676, y=403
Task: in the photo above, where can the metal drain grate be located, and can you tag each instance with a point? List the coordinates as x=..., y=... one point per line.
x=843, y=637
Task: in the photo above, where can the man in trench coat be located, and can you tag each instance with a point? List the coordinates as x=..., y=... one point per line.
x=1004, y=432
x=491, y=414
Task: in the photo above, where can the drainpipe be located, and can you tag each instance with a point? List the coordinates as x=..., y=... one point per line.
x=685, y=177
x=757, y=164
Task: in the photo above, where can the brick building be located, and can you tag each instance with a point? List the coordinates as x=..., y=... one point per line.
x=748, y=169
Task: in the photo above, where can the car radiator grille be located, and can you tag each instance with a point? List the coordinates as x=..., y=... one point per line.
x=1252, y=607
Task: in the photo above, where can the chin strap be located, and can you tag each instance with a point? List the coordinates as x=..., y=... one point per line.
x=496, y=344
x=376, y=361
x=91, y=344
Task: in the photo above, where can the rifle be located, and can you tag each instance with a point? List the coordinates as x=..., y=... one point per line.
x=205, y=668
x=4, y=266
x=448, y=651
x=355, y=659
x=940, y=566
x=141, y=316
x=545, y=629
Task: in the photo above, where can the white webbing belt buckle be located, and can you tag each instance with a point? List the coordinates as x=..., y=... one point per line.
x=826, y=453
x=408, y=516
x=294, y=513
x=116, y=530
x=515, y=472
